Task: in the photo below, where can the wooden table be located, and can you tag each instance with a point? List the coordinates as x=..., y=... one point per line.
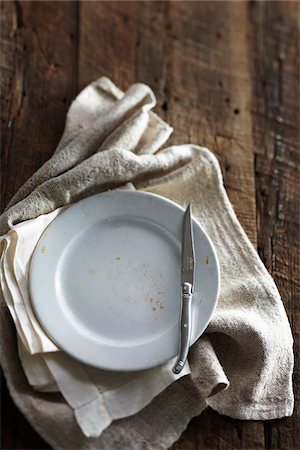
x=226, y=76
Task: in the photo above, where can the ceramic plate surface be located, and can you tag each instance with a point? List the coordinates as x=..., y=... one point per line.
x=105, y=280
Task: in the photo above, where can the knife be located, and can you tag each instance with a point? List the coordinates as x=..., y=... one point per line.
x=187, y=287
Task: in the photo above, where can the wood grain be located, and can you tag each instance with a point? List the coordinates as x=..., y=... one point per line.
x=277, y=163
x=39, y=73
x=107, y=42
x=226, y=76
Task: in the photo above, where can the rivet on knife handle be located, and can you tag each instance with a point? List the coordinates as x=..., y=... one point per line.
x=187, y=286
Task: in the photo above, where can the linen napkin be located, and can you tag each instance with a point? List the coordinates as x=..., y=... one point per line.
x=241, y=366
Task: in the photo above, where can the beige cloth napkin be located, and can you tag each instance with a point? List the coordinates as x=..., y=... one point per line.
x=112, y=139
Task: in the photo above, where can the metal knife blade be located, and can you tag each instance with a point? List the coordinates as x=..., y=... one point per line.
x=187, y=287
x=187, y=249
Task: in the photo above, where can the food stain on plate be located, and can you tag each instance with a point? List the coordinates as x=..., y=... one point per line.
x=92, y=272
x=156, y=305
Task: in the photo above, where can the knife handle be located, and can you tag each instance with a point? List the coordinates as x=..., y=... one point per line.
x=185, y=326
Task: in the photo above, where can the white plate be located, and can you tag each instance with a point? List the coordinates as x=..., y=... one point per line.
x=105, y=280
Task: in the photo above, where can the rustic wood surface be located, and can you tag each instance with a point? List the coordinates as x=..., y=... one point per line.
x=226, y=76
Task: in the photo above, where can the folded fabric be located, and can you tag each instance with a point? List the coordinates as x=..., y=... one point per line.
x=241, y=366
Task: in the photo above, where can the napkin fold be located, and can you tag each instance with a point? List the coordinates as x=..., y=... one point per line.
x=241, y=366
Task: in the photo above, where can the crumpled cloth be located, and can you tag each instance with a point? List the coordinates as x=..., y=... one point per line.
x=241, y=366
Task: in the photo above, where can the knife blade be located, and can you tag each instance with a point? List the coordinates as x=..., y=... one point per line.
x=187, y=288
